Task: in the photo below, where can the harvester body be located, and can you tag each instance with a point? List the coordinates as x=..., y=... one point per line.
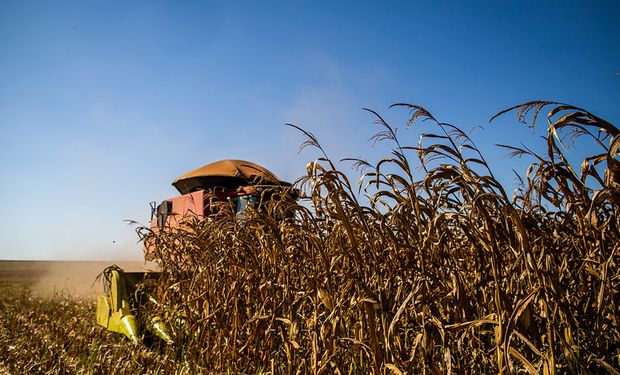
x=238, y=183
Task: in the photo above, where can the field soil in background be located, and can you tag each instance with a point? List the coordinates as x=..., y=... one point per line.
x=68, y=278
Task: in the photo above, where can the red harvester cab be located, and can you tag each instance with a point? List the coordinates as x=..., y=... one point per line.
x=239, y=182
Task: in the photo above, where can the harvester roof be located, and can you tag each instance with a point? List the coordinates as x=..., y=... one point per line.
x=226, y=173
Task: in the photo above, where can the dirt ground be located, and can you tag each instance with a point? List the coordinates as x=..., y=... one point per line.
x=67, y=278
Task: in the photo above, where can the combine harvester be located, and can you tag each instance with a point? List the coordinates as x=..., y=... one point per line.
x=239, y=183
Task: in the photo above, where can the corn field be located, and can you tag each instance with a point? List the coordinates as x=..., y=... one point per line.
x=426, y=265
x=443, y=273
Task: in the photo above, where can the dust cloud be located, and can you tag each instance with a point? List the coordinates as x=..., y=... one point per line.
x=73, y=279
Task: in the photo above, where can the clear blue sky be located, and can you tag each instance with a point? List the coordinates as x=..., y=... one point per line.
x=103, y=104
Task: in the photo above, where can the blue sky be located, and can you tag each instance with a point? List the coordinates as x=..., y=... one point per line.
x=103, y=104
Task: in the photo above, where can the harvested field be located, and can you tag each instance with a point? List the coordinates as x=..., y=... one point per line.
x=48, y=320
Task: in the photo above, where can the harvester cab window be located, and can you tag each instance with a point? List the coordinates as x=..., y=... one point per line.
x=243, y=202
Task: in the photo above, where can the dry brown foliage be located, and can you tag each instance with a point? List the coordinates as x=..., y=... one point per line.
x=443, y=273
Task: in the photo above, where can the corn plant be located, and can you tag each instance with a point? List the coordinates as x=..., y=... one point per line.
x=426, y=265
